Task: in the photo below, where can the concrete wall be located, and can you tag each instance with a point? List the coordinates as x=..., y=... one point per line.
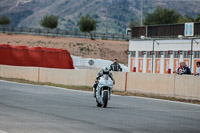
x=181, y=86
x=91, y=76
x=187, y=87
x=120, y=79
x=151, y=83
x=63, y=76
x=0, y=70
x=28, y=73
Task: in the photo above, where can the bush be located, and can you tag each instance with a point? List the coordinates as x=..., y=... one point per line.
x=4, y=20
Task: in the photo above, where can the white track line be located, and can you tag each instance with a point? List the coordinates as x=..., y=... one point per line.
x=146, y=98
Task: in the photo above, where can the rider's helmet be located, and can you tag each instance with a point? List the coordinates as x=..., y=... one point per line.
x=105, y=70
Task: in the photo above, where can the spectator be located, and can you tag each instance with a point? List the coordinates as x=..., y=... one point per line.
x=198, y=69
x=115, y=66
x=183, y=69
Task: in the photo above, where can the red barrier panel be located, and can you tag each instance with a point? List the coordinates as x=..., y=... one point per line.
x=36, y=56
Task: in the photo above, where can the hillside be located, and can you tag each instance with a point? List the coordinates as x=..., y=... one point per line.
x=86, y=48
x=120, y=12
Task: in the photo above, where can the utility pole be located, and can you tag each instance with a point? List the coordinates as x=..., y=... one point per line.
x=141, y=19
x=106, y=17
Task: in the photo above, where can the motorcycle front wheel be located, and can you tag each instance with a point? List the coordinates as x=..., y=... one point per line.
x=105, y=99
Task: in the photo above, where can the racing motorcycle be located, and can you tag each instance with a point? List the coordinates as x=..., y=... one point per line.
x=103, y=91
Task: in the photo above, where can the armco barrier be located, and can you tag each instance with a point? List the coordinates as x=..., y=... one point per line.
x=27, y=73
x=180, y=86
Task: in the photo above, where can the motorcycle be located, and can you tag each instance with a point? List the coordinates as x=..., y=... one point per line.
x=103, y=91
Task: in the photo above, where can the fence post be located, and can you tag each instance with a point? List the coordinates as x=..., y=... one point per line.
x=57, y=32
x=38, y=31
x=94, y=35
x=3, y=29
x=12, y=29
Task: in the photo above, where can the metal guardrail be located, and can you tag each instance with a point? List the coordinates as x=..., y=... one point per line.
x=62, y=33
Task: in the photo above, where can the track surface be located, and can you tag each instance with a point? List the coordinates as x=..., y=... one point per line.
x=41, y=109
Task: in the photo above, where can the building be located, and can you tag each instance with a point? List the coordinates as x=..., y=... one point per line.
x=162, y=51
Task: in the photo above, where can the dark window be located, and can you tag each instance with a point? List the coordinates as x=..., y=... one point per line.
x=157, y=54
x=167, y=55
x=140, y=54
x=176, y=55
x=149, y=55
x=133, y=53
x=196, y=54
x=185, y=54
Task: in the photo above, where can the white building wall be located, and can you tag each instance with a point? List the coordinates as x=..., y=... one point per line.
x=162, y=45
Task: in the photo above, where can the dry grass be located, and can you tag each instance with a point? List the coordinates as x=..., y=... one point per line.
x=89, y=88
x=98, y=49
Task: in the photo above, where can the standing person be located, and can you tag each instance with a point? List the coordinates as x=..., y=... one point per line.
x=183, y=69
x=115, y=66
x=198, y=69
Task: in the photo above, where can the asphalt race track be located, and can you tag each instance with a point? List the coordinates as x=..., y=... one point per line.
x=41, y=109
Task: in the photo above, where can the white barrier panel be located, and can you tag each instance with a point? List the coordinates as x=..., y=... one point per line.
x=63, y=76
x=187, y=86
x=27, y=73
x=181, y=86
x=91, y=76
x=0, y=71
x=120, y=78
x=161, y=84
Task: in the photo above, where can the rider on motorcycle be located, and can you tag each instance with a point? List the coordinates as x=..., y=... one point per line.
x=100, y=74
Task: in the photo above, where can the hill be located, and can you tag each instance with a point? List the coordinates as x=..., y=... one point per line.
x=86, y=48
x=118, y=12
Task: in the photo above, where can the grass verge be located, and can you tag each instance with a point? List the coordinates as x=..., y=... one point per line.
x=88, y=88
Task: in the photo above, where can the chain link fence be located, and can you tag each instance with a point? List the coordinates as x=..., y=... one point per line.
x=62, y=33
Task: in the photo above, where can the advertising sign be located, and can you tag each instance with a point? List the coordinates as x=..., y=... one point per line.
x=176, y=64
x=140, y=66
x=149, y=66
x=189, y=29
x=132, y=64
x=167, y=65
x=157, y=66
x=195, y=66
x=187, y=62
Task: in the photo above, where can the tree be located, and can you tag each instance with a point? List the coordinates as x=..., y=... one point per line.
x=49, y=22
x=87, y=24
x=4, y=20
x=134, y=23
x=185, y=19
x=197, y=19
x=162, y=16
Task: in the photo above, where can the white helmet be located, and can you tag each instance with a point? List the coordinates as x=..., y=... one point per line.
x=105, y=70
